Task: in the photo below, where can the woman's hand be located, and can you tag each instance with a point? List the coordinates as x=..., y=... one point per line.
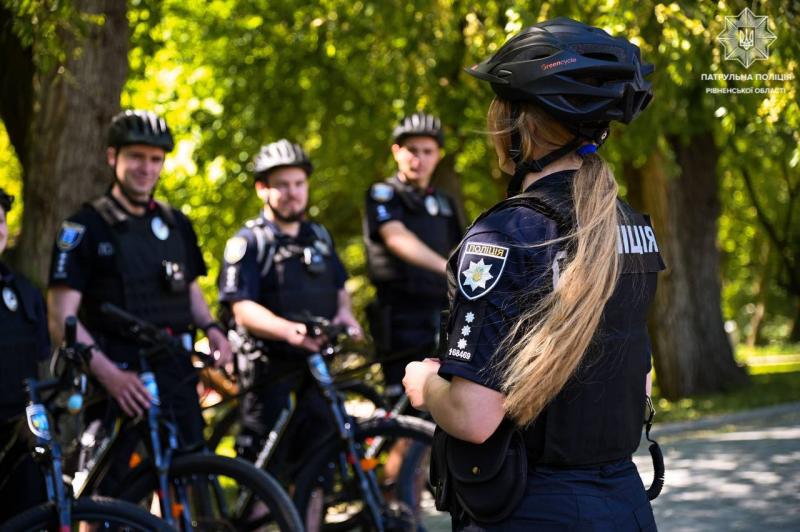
x=417, y=374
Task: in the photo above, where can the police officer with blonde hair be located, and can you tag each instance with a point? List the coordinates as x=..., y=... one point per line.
x=542, y=383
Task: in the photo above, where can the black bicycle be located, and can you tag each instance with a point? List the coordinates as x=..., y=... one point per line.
x=63, y=512
x=192, y=490
x=349, y=466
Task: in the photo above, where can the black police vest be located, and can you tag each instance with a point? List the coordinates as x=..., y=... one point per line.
x=303, y=271
x=142, y=261
x=598, y=415
x=19, y=348
x=398, y=281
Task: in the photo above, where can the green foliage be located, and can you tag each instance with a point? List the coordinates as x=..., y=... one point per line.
x=47, y=26
x=335, y=75
x=11, y=182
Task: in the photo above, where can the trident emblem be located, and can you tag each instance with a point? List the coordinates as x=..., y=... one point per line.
x=746, y=38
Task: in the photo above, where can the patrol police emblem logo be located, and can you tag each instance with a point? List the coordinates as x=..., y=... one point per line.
x=432, y=205
x=235, y=249
x=160, y=229
x=381, y=192
x=480, y=268
x=69, y=235
x=10, y=299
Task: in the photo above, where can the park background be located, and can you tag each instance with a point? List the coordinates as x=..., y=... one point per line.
x=717, y=172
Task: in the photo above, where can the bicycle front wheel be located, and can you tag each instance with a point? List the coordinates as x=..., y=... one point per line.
x=402, y=476
x=213, y=493
x=96, y=513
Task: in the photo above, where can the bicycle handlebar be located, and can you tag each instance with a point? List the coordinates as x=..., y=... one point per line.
x=149, y=334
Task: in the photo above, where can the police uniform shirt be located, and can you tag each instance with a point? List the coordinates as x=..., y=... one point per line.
x=85, y=256
x=24, y=340
x=495, y=265
x=242, y=275
x=502, y=270
x=431, y=216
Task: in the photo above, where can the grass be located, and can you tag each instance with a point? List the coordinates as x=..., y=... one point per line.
x=746, y=354
x=765, y=389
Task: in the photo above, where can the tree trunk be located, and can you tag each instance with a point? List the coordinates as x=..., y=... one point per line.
x=65, y=163
x=794, y=336
x=692, y=353
x=16, y=85
x=760, y=293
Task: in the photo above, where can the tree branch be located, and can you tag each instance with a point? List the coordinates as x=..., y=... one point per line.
x=780, y=244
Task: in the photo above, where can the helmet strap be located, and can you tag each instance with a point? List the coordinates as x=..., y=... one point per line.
x=524, y=167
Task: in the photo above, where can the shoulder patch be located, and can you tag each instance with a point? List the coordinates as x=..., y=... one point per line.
x=235, y=249
x=381, y=192
x=69, y=236
x=480, y=268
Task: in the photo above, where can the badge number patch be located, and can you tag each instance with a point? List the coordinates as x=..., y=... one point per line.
x=480, y=268
x=69, y=235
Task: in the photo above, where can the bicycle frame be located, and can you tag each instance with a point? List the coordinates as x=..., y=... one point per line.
x=368, y=485
x=162, y=456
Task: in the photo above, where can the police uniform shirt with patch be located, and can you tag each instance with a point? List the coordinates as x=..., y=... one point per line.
x=282, y=277
x=24, y=339
x=431, y=216
x=86, y=257
x=501, y=271
x=495, y=263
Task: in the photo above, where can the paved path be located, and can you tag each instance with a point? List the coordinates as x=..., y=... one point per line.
x=733, y=472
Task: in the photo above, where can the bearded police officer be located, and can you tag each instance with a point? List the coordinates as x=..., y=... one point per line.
x=140, y=254
x=409, y=230
x=279, y=270
x=23, y=344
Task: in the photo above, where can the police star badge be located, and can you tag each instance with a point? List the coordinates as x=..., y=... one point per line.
x=432, y=205
x=480, y=268
x=160, y=229
x=10, y=299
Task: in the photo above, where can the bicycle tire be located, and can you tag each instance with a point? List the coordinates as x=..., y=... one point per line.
x=391, y=428
x=101, y=510
x=188, y=469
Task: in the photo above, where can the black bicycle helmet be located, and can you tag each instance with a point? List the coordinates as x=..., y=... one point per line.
x=280, y=154
x=140, y=127
x=6, y=200
x=578, y=73
x=419, y=125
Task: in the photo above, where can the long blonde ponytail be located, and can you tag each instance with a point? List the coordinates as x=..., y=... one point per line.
x=545, y=346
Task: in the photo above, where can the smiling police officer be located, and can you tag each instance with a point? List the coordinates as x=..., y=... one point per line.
x=409, y=230
x=24, y=343
x=278, y=271
x=140, y=254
